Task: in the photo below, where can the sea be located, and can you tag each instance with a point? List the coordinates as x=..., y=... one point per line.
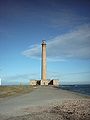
x=84, y=89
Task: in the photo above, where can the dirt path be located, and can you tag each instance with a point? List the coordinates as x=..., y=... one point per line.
x=42, y=96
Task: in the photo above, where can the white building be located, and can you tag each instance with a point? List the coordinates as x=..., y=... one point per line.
x=0, y=81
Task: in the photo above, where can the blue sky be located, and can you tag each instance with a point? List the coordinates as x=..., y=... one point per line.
x=64, y=24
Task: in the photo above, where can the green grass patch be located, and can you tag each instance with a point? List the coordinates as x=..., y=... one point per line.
x=6, y=91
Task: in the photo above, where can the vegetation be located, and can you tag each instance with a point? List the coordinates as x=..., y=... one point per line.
x=6, y=91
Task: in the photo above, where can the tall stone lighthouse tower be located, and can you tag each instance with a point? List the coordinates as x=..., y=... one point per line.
x=44, y=80
x=43, y=64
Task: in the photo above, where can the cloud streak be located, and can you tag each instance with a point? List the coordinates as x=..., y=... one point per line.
x=72, y=45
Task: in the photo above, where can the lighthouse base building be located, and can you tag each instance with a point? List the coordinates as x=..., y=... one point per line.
x=53, y=82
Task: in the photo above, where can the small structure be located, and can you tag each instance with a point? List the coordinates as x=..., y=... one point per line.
x=55, y=82
x=0, y=82
x=33, y=82
x=44, y=80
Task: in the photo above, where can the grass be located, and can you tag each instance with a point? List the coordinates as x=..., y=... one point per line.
x=6, y=91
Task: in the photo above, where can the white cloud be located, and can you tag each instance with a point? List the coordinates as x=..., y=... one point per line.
x=72, y=45
x=33, y=51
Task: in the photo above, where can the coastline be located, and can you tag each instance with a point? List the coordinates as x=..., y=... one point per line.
x=67, y=110
x=83, y=89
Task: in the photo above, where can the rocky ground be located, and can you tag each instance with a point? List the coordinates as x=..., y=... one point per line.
x=68, y=110
x=46, y=103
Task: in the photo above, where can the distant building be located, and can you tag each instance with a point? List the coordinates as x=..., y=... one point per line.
x=0, y=82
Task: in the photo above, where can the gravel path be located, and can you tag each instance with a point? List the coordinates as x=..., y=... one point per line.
x=41, y=99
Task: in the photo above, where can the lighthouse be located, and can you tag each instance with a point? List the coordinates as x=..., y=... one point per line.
x=44, y=80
